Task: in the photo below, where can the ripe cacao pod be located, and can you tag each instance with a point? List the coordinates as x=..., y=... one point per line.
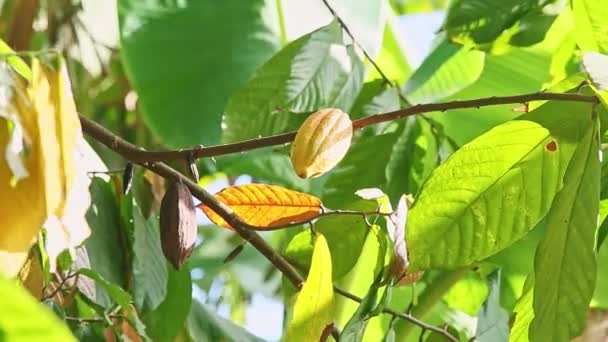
x=321, y=142
x=178, y=229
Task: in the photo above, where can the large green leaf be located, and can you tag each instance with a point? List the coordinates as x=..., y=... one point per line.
x=185, y=58
x=104, y=244
x=600, y=296
x=590, y=25
x=565, y=262
x=448, y=69
x=314, y=306
x=205, y=325
x=149, y=265
x=493, y=190
x=316, y=71
x=482, y=21
x=176, y=306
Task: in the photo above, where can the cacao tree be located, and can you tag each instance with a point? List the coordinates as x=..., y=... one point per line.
x=303, y=171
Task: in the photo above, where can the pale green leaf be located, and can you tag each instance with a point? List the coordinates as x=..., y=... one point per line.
x=492, y=320
x=590, y=25
x=314, y=307
x=316, y=71
x=493, y=190
x=565, y=262
x=185, y=58
x=205, y=325
x=524, y=313
x=448, y=69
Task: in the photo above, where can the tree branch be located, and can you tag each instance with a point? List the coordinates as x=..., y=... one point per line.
x=245, y=230
x=139, y=155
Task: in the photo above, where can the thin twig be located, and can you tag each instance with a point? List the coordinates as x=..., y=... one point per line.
x=59, y=286
x=412, y=319
x=136, y=154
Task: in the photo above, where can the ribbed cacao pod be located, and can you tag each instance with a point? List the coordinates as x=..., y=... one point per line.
x=178, y=229
x=321, y=142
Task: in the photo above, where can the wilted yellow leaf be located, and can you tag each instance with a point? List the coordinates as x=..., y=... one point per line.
x=314, y=307
x=265, y=206
x=48, y=118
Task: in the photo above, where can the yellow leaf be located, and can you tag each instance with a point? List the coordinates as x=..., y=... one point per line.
x=265, y=206
x=48, y=118
x=314, y=307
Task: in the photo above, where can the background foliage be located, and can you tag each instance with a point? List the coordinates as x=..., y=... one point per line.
x=509, y=215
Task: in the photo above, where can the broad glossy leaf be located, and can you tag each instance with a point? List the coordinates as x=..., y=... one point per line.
x=314, y=306
x=103, y=246
x=482, y=21
x=532, y=28
x=468, y=294
x=22, y=318
x=448, y=69
x=488, y=194
x=391, y=57
x=565, y=262
x=600, y=296
x=316, y=71
x=205, y=325
x=355, y=327
x=590, y=25
x=116, y=293
x=147, y=262
x=185, y=59
x=175, y=306
x=265, y=206
x=492, y=325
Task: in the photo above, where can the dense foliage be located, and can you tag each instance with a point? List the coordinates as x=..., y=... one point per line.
x=468, y=201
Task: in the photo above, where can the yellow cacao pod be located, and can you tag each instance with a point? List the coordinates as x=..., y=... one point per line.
x=321, y=142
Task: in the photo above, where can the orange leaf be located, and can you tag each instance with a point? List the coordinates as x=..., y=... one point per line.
x=265, y=206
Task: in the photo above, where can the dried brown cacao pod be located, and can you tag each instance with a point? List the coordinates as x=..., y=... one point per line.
x=178, y=229
x=321, y=142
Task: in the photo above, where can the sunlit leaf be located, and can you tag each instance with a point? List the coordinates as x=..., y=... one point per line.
x=565, y=264
x=480, y=201
x=22, y=318
x=316, y=71
x=524, y=313
x=45, y=110
x=355, y=328
x=314, y=306
x=448, y=69
x=265, y=206
x=590, y=25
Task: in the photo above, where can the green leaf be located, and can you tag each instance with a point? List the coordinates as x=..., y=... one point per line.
x=565, y=262
x=355, y=327
x=391, y=57
x=185, y=58
x=176, y=306
x=468, y=294
x=492, y=324
x=16, y=62
x=104, y=245
x=600, y=296
x=22, y=318
x=148, y=261
x=532, y=28
x=448, y=69
x=481, y=200
x=314, y=306
x=524, y=312
x=116, y=293
x=482, y=21
x=205, y=325
x=590, y=25
x=316, y=71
